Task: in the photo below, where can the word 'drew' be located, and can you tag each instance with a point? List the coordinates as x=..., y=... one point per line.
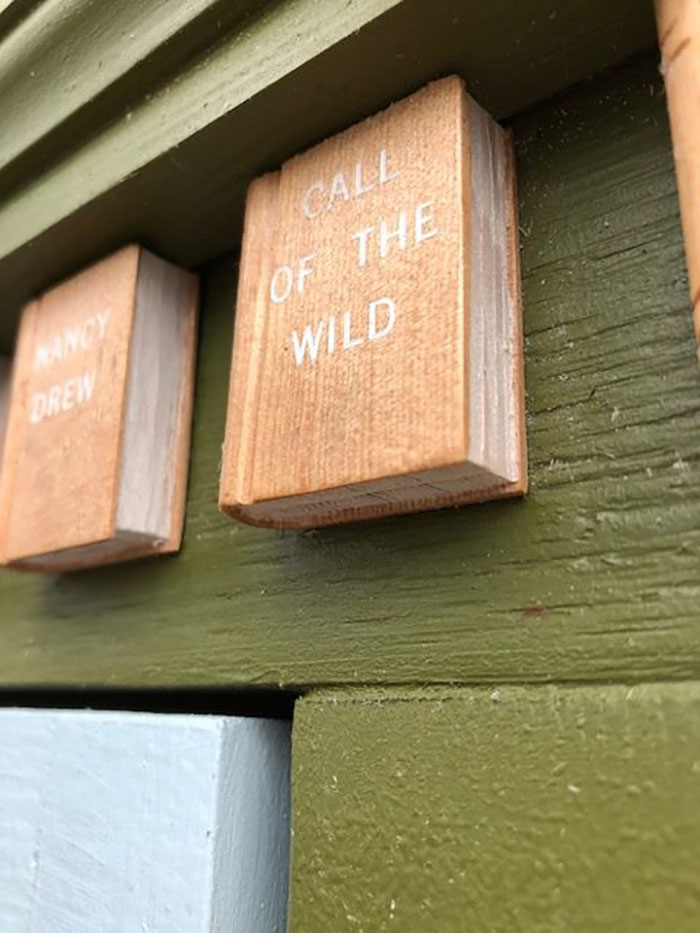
x=95, y=457
x=62, y=397
x=377, y=360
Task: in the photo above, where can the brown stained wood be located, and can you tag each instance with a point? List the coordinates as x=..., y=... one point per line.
x=5, y=379
x=378, y=353
x=96, y=454
x=5, y=375
x=679, y=39
x=48, y=503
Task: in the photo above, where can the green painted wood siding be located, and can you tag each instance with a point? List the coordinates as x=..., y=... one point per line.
x=545, y=810
x=592, y=577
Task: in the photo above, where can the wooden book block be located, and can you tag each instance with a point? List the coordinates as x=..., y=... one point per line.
x=377, y=363
x=95, y=459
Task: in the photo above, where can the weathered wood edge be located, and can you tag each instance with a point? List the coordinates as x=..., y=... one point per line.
x=679, y=33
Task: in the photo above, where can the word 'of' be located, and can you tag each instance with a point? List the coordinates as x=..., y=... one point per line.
x=72, y=340
x=309, y=344
x=62, y=397
x=322, y=196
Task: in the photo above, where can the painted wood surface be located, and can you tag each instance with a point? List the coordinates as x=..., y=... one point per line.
x=377, y=365
x=46, y=51
x=548, y=808
x=95, y=462
x=12, y=12
x=134, y=102
x=142, y=823
x=593, y=576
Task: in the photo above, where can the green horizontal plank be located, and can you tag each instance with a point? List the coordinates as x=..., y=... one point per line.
x=547, y=809
x=593, y=576
x=80, y=63
x=12, y=12
x=169, y=164
x=124, y=178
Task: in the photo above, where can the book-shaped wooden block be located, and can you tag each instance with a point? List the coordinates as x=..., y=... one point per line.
x=377, y=363
x=96, y=452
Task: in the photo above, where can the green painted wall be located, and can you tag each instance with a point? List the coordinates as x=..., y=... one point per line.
x=594, y=576
x=543, y=810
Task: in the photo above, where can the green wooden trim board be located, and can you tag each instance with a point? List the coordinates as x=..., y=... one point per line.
x=147, y=124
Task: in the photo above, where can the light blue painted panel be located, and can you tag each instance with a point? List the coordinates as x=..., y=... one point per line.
x=116, y=822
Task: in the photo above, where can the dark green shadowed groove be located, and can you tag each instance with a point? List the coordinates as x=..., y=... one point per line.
x=594, y=576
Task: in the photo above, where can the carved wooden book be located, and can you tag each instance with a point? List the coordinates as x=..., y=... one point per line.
x=377, y=362
x=95, y=458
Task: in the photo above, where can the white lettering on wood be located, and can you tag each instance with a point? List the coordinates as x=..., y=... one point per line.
x=62, y=397
x=283, y=277
x=75, y=390
x=72, y=340
x=396, y=231
x=381, y=318
x=346, y=185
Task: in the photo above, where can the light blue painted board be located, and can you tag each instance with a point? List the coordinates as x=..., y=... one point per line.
x=142, y=823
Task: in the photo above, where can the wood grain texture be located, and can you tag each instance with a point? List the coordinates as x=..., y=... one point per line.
x=679, y=38
x=200, y=113
x=593, y=577
x=134, y=822
x=378, y=347
x=5, y=377
x=5, y=391
x=95, y=464
x=69, y=382
x=158, y=407
x=548, y=809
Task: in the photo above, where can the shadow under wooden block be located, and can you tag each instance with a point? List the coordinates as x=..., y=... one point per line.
x=142, y=822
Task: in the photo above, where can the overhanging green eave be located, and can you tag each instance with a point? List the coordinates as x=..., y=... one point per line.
x=149, y=129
